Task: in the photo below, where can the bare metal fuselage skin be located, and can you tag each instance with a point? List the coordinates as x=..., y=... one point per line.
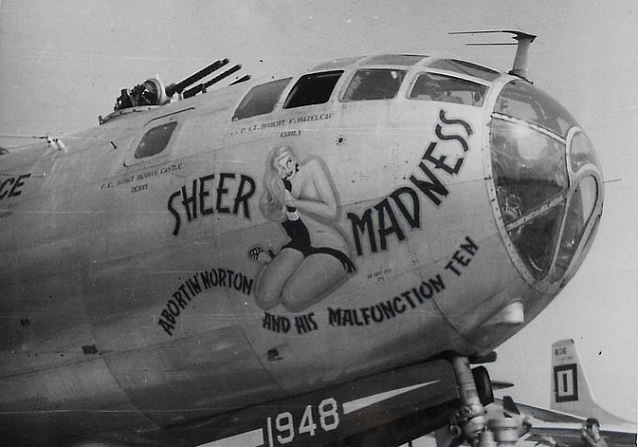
x=127, y=295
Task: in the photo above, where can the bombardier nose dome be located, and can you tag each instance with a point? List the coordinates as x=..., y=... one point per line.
x=547, y=184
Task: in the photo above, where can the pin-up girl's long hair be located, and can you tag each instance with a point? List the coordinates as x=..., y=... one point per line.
x=272, y=200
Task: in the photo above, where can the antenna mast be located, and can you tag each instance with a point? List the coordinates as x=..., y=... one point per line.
x=523, y=40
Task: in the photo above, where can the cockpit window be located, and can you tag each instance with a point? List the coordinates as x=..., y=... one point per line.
x=466, y=68
x=374, y=83
x=155, y=140
x=261, y=99
x=438, y=87
x=519, y=99
x=314, y=88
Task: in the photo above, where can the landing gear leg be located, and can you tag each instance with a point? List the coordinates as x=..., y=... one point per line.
x=469, y=421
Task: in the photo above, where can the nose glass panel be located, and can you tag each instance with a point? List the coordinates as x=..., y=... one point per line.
x=528, y=168
x=581, y=152
x=546, y=204
x=530, y=177
x=581, y=208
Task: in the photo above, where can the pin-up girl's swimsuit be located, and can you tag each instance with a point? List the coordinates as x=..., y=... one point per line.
x=300, y=238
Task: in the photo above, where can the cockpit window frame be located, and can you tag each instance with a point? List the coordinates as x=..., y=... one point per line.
x=403, y=60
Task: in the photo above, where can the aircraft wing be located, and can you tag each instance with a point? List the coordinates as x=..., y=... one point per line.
x=568, y=434
x=549, y=427
x=544, y=414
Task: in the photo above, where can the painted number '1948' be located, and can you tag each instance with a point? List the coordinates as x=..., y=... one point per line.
x=285, y=427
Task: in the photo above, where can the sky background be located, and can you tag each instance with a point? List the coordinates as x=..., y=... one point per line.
x=63, y=62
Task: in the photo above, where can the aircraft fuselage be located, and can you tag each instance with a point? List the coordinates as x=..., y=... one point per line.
x=128, y=295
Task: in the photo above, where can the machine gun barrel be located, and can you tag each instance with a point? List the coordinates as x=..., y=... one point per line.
x=180, y=86
x=202, y=87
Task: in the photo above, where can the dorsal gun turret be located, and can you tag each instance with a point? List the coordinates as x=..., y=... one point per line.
x=153, y=93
